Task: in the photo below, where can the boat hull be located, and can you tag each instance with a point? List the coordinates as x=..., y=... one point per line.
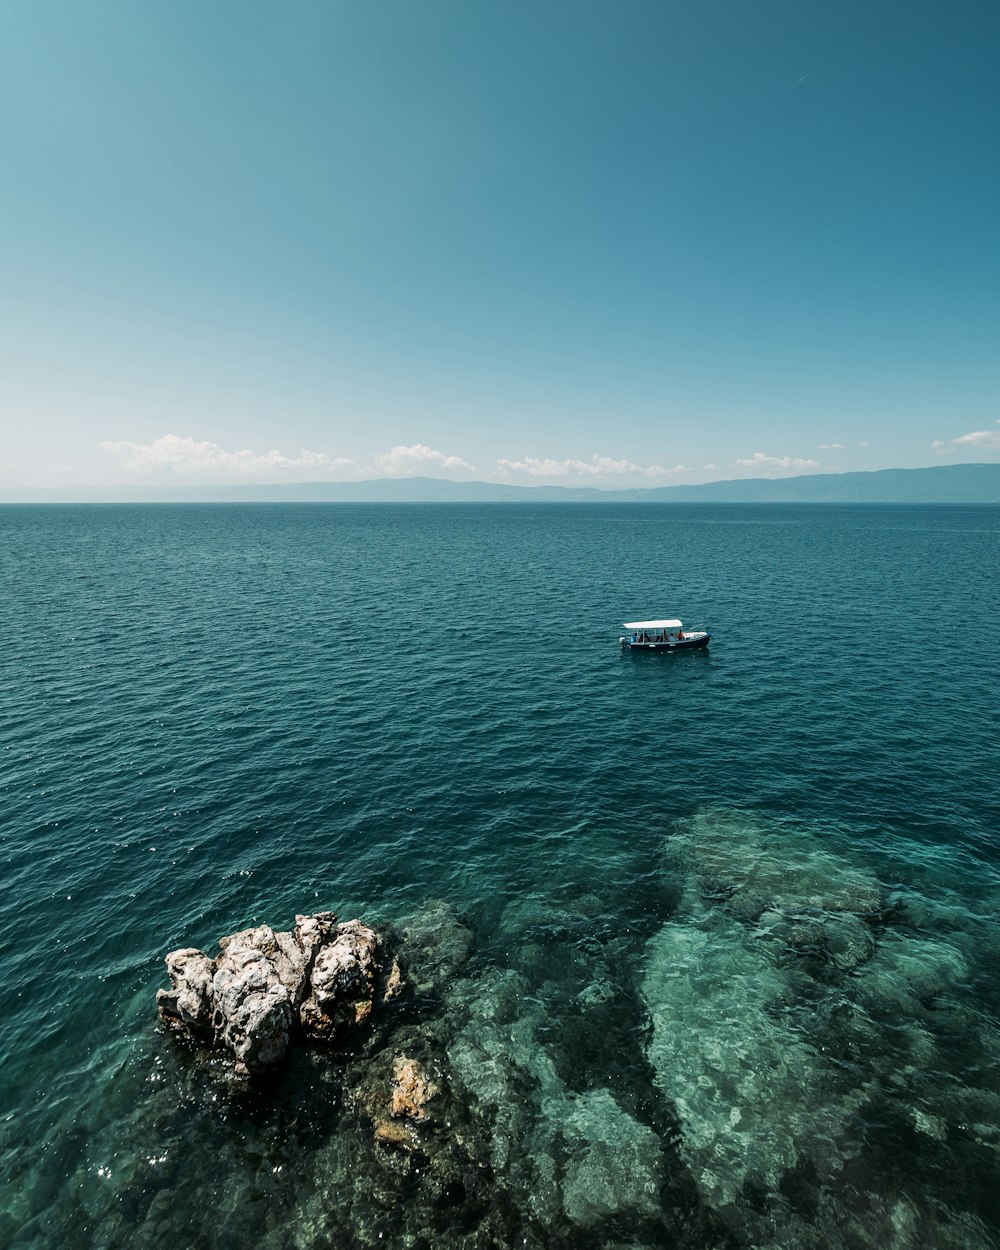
x=682, y=644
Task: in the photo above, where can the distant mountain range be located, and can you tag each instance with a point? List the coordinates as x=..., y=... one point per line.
x=953, y=483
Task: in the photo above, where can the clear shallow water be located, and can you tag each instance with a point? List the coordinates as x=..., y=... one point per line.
x=732, y=914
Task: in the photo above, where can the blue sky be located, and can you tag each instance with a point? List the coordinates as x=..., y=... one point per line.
x=602, y=243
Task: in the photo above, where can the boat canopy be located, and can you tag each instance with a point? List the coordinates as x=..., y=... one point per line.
x=652, y=625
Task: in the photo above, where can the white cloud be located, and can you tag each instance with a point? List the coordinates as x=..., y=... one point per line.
x=832, y=446
x=534, y=467
x=986, y=440
x=406, y=461
x=596, y=467
x=982, y=438
x=188, y=457
x=760, y=461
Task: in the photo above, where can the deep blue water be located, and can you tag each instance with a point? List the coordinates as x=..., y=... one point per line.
x=677, y=1027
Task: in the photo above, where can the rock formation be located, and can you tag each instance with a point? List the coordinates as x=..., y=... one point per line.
x=264, y=988
x=398, y=1100
x=411, y=1090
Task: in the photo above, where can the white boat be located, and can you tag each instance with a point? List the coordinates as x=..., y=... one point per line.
x=662, y=636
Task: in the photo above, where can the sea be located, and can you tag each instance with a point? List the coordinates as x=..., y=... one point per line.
x=704, y=945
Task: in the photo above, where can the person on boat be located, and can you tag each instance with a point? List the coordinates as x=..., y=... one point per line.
x=680, y=635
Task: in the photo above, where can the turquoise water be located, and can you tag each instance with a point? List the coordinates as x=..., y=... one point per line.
x=730, y=916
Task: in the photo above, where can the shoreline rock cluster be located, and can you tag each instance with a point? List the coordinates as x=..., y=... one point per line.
x=267, y=988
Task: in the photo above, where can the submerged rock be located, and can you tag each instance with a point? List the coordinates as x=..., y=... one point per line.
x=564, y=1156
x=612, y=1161
x=755, y=868
x=752, y=1097
x=395, y=1133
x=803, y=1023
x=266, y=987
x=412, y=1090
x=774, y=1067
x=399, y=1096
x=749, y=991
x=437, y=945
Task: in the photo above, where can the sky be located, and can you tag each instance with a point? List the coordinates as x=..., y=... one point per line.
x=613, y=244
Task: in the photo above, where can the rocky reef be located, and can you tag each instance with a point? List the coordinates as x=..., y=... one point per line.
x=775, y=1048
x=449, y=1093
x=802, y=1015
x=265, y=988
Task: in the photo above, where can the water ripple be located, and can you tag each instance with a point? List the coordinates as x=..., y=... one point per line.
x=219, y=716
